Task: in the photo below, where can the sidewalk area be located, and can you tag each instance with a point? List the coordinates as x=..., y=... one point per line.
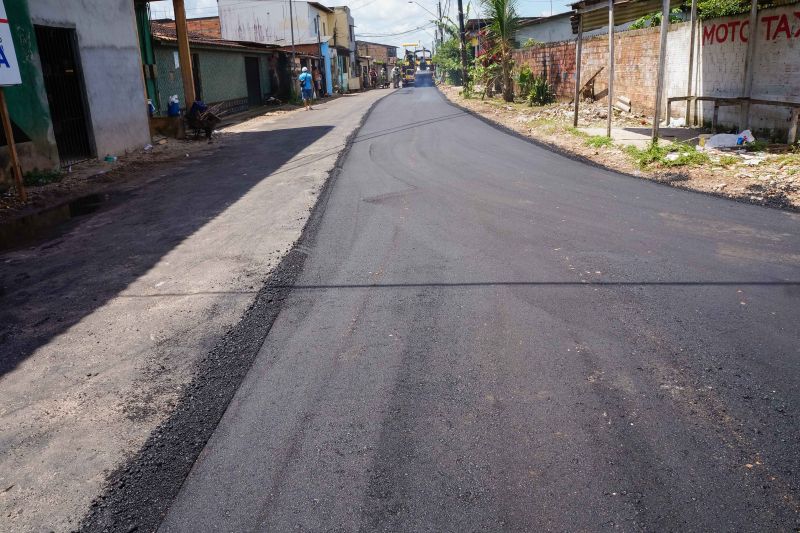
x=103, y=327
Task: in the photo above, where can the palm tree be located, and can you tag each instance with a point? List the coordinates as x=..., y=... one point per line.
x=502, y=28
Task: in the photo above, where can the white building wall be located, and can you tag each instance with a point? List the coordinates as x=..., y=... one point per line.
x=108, y=48
x=776, y=69
x=267, y=21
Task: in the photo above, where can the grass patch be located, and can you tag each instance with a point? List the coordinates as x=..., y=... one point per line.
x=575, y=131
x=672, y=155
x=598, y=141
x=728, y=160
x=788, y=159
x=37, y=178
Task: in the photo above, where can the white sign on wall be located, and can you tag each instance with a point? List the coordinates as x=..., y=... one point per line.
x=9, y=67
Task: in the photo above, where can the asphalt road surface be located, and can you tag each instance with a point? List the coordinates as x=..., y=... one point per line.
x=488, y=336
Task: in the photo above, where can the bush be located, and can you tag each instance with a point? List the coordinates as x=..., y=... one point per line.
x=685, y=155
x=540, y=93
x=525, y=80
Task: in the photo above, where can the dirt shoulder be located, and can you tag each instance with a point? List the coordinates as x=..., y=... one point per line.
x=125, y=336
x=770, y=176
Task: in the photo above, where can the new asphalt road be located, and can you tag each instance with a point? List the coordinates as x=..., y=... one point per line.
x=488, y=336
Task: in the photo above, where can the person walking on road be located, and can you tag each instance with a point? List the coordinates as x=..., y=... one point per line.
x=306, y=90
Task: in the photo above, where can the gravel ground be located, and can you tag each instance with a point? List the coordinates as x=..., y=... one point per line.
x=762, y=178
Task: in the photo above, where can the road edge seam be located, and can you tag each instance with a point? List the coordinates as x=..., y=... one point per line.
x=140, y=491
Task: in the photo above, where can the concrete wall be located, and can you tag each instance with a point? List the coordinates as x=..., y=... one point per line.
x=776, y=69
x=267, y=21
x=722, y=46
x=27, y=103
x=109, y=54
x=222, y=74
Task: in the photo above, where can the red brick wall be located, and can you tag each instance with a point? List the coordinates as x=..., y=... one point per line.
x=636, y=65
x=207, y=27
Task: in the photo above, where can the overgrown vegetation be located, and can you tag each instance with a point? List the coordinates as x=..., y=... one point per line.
x=531, y=42
x=525, y=80
x=709, y=9
x=671, y=155
x=756, y=146
x=501, y=30
x=652, y=20
x=599, y=141
x=37, y=178
x=541, y=93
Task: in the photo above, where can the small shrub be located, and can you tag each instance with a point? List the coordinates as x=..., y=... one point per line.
x=756, y=146
x=531, y=42
x=525, y=80
x=37, y=178
x=540, y=93
x=598, y=141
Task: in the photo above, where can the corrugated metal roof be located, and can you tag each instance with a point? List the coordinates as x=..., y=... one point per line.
x=595, y=12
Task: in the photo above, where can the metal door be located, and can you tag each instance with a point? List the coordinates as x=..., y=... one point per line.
x=253, y=76
x=63, y=82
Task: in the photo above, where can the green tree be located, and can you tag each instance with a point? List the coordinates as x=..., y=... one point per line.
x=502, y=28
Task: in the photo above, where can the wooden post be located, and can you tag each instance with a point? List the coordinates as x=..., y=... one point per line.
x=610, y=65
x=793, y=125
x=744, y=119
x=692, y=43
x=578, y=49
x=12, y=148
x=184, y=55
x=662, y=61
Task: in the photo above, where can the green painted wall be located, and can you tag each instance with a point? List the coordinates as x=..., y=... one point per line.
x=222, y=75
x=27, y=103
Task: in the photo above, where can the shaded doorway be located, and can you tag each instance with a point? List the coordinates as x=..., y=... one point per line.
x=253, y=76
x=66, y=94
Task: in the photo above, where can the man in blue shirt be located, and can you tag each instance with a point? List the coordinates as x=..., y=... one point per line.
x=306, y=84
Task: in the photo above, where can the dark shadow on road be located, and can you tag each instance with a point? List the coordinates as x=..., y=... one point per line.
x=47, y=289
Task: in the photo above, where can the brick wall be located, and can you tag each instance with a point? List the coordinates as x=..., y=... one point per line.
x=207, y=27
x=636, y=64
x=719, y=65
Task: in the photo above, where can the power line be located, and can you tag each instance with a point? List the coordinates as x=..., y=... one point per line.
x=412, y=30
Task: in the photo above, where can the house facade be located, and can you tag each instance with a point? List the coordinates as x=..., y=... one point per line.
x=233, y=75
x=82, y=93
x=308, y=30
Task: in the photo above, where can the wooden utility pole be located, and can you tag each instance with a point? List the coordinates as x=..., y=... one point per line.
x=578, y=50
x=610, y=66
x=184, y=55
x=12, y=148
x=462, y=43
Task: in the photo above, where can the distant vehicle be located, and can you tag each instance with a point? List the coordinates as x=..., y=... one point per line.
x=417, y=60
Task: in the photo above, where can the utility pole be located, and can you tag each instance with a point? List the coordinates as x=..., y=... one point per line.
x=291, y=28
x=462, y=43
x=441, y=29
